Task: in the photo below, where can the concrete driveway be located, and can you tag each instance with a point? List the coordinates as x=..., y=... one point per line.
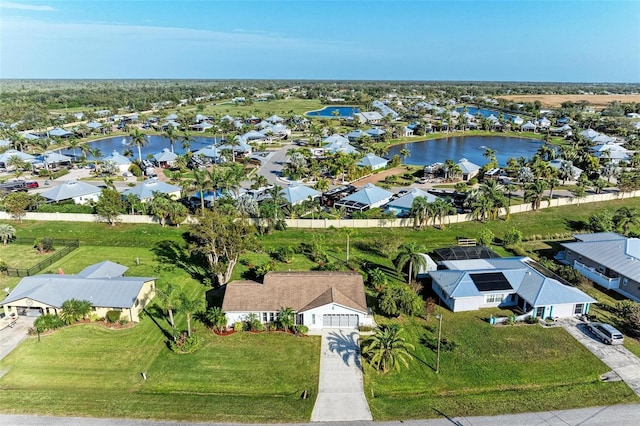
x=624, y=364
x=340, y=391
x=10, y=338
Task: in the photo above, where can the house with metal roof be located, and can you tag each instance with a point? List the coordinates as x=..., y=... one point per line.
x=165, y=158
x=402, y=205
x=355, y=135
x=53, y=159
x=528, y=127
x=145, y=190
x=295, y=193
x=372, y=117
x=375, y=133
x=319, y=299
x=102, y=284
x=78, y=191
x=558, y=163
x=210, y=153
x=468, y=285
x=611, y=151
x=469, y=169
x=201, y=126
x=59, y=133
x=608, y=259
x=338, y=144
x=5, y=157
x=373, y=161
x=122, y=162
x=369, y=197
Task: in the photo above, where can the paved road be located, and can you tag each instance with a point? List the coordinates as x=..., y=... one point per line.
x=594, y=416
x=272, y=165
x=624, y=364
x=10, y=338
x=340, y=391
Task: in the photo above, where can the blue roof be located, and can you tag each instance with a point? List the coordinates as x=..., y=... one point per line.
x=117, y=158
x=406, y=201
x=59, y=132
x=372, y=160
x=296, y=193
x=165, y=155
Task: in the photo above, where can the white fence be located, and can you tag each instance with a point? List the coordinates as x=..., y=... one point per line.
x=340, y=223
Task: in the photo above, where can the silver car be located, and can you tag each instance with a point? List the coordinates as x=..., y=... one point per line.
x=606, y=333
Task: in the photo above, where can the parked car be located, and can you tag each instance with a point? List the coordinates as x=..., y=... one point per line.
x=606, y=333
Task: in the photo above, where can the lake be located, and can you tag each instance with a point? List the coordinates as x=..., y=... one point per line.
x=470, y=147
x=156, y=144
x=328, y=111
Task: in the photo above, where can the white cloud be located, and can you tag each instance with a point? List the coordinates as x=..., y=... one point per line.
x=21, y=6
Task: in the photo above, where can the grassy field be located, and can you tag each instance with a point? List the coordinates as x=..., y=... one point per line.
x=487, y=370
x=282, y=107
x=554, y=101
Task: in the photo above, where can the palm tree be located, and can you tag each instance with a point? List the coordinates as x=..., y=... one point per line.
x=217, y=317
x=186, y=139
x=201, y=183
x=190, y=305
x=625, y=217
x=386, y=349
x=7, y=232
x=534, y=193
x=405, y=153
x=441, y=208
x=286, y=318
x=138, y=139
x=171, y=134
x=420, y=211
x=348, y=232
x=410, y=253
x=259, y=181
x=168, y=297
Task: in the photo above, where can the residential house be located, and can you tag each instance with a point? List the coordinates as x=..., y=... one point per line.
x=295, y=193
x=166, y=158
x=401, y=206
x=373, y=161
x=371, y=117
x=145, y=190
x=5, y=158
x=369, y=197
x=102, y=284
x=469, y=170
x=608, y=259
x=319, y=299
x=60, y=133
x=121, y=162
x=469, y=285
x=78, y=191
x=528, y=127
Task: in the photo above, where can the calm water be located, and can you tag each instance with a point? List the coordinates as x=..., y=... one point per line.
x=469, y=147
x=486, y=112
x=345, y=111
x=156, y=144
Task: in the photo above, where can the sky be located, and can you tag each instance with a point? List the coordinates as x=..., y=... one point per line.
x=482, y=40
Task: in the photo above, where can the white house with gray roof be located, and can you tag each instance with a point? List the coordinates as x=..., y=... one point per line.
x=373, y=161
x=468, y=285
x=102, y=284
x=122, y=162
x=469, y=169
x=608, y=259
x=369, y=197
x=295, y=193
x=402, y=205
x=145, y=190
x=78, y=191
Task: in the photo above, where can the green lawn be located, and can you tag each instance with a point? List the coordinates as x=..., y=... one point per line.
x=90, y=371
x=491, y=370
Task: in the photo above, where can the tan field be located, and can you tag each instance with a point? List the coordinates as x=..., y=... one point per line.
x=554, y=101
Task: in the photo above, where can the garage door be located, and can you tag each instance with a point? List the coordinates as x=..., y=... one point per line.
x=339, y=320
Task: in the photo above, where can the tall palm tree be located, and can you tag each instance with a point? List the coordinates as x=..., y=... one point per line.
x=186, y=139
x=171, y=134
x=420, y=211
x=190, y=305
x=169, y=298
x=348, y=232
x=7, y=232
x=441, y=208
x=534, y=193
x=625, y=217
x=405, y=153
x=138, y=139
x=201, y=182
x=386, y=349
x=411, y=254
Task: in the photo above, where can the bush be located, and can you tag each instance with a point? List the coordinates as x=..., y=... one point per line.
x=300, y=329
x=43, y=245
x=512, y=238
x=486, y=237
x=238, y=326
x=48, y=322
x=394, y=301
x=283, y=254
x=184, y=344
x=532, y=319
x=135, y=170
x=113, y=316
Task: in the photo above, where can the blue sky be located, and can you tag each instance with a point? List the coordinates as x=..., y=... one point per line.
x=564, y=41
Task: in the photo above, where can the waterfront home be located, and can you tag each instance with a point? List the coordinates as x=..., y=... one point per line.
x=121, y=162
x=401, y=206
x=469, y=170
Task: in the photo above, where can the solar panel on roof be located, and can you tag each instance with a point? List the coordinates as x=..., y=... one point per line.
x=490, y=281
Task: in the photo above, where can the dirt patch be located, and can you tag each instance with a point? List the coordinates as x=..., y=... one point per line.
x=554, y=101
x=377, y=177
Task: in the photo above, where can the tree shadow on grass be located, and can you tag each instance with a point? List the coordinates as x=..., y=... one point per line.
x=171, y=254
x=153, y=312
x=576, y=225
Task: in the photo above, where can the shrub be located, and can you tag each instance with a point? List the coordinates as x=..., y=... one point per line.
x=394, y=301
x=238, y=326
x=48, y=322
x=253, y=323
x=485, y=237
x=511, y=320
x=300, y=329
x=184, y=343
x=283, y=254
x=113, y=316
x=135, y=170
x=532, y=319
x=43, y=245
x=512, y=238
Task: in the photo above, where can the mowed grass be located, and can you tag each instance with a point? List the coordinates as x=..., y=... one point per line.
x=490, y=370
x=87, y=370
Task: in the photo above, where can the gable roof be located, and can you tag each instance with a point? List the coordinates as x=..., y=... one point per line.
x=106, y=269
x=299, y=291
x=467, y=166
x=165, y=155
x=70, y=189
x=118, y=159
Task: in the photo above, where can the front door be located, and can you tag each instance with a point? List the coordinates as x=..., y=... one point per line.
x=540, y=312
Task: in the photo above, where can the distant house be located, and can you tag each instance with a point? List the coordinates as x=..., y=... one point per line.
x=402, y=205
x=468, y=285
x=369, y=197
x=60, y=133
x=337, y=143
x=373, y=161
x=201, y=126
x=543, y=123
x=122, y=162
x=53, y=159
x=611, y=151
x=355, y=135
x=6, y=157
x=469, y=169
x=145, y=190
x=371, y=117
x=528, y=127
x=166, y=158
x=102, y=284
x=608, y=259
x=375, y=133
x=559, y=163
x=319, y=299
x=78, y=191
x=296, y=193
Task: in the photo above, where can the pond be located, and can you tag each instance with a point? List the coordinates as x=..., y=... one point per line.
x=329, y=111
x=470, y=147
x=155, y=144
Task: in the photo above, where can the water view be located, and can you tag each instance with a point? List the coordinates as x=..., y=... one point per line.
x=470, y=147
x=328, y=111
x=155, y=144
x=486, y=112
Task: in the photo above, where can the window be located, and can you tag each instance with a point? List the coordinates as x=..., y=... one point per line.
x=264, y=317
x=578, y=309
x=271, y=317
x=494, y=298
x=313, y=319
x=540, y=312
